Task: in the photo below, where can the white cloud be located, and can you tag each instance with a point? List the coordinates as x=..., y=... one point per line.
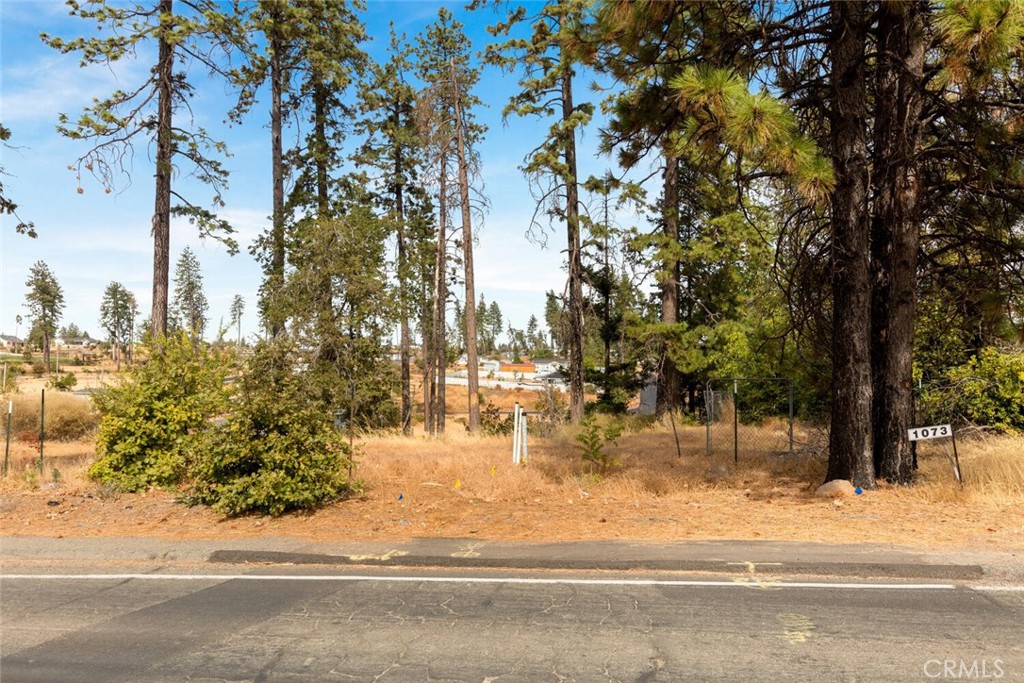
x=38, y=91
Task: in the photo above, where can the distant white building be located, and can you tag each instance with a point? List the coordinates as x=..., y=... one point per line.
x=546, y=366
x=9, y=342
x=78, y=342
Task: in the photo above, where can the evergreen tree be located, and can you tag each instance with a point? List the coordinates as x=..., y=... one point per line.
x=45, y=304
x=310, y=39
x=349, y=350
x=145, y=114
x=236, y=311
x=494, y=321
x=444, y=64
x=71, y=331
x=190, y=304
x=393, y=151
x=546, y=90
x=117, y=316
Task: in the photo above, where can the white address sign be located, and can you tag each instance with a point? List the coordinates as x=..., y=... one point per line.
x=935, y=432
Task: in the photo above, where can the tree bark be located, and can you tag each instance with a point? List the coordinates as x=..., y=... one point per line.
x=428, y=364
x=161, y=228
x=440, y=346
x=403, y=291
x=895, y=233
x=668, y=373
x=850, y=455
x=572, y=225
x=275, y=280
x=472, y=364
x=320, y=95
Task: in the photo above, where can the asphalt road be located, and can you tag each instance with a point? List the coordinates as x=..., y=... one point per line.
x=388, y=625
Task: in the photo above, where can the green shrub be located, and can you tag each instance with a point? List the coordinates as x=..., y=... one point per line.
x=493, y=423
x=278, y=449
x=63, y=382
x=149, y=421
x=987, y=390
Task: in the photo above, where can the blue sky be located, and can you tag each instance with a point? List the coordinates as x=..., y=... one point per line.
x=93, y=238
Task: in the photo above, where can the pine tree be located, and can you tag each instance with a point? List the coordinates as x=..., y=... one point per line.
x=190, y=305
x=393, y=151
x=495, y=322
x=546, y=90
x=348, y=352
x=320, y=41
x=117, y=316
x=895, y=231
x=236, y=311
x=443, y=63
x=45, y=304
x=144, y=114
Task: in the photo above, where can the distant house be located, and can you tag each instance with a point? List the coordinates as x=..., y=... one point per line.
x=555, y=377
x=78, y=342
x=488, y=365
x=10, y=343
x=546, y=366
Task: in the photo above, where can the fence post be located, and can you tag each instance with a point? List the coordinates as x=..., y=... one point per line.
x=709, y=402
x=524, y=441
x=791, y=417
x=7, y=447
x=515, y=433
x=736, y=422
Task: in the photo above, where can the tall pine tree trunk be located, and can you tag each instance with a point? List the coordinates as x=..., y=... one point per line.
x=162, y=204
x=850, y=454
x=572, y=225
x=895, y=233
x=668, y=373
x=275, y=279
x=327, y=353
x=323, y=200
x=472, y=364
x=403, y=293
x=428, y=364
x=440, y=346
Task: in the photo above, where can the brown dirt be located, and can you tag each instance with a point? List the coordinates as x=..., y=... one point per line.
x=466, y=487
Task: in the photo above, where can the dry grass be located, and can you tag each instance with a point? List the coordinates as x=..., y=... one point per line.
x=69, y=417
x=650, y=466
x=992, y=469
x=461, y=486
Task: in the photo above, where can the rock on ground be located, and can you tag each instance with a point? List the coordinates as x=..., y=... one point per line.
x=837, y=488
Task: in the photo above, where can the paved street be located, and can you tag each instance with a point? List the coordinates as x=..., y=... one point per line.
x=217, y=622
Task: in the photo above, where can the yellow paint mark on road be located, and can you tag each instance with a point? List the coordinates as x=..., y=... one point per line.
x=796, y=628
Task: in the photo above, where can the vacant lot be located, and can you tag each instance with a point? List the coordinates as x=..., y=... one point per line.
x=458, y=486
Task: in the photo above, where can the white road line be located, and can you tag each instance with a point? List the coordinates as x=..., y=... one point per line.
x=998, y=589
x=468, y=580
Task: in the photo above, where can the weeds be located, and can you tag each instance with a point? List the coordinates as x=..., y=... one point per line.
x=593, y=439
x=63, y=382
x=68, y=417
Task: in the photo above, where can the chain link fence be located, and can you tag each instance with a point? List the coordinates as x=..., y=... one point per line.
x=749, y=416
